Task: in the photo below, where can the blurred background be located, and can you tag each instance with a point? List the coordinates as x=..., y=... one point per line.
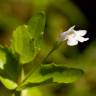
x=60, y=16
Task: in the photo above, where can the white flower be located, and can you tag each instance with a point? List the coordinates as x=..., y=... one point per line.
x=73, y=37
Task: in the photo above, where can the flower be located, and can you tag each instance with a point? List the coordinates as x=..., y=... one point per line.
x=73, y=37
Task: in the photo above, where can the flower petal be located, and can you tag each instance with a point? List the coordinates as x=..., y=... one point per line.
x=82, y=39
x=81, y=32
x=73, y=36
x=71, y=29
x=71, y=42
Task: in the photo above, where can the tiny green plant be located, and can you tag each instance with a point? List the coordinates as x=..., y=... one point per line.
x=25, y=50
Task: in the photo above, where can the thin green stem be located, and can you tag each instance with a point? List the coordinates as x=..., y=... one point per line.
x=57, y=45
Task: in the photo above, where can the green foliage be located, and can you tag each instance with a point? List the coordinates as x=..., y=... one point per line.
x=34, y=91
x=36, y=28
x=52, y=73
x=22, y=44
x=61, y=74
x=27, y=42
x=8, y=69
x=8, y=83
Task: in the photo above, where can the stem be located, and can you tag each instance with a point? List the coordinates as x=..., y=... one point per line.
x=57, y=44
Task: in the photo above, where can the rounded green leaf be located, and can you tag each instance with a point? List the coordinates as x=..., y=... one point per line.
x=59, y=74
x=22, y=44
x=34, y=91
x=8, y=68
x=52, y=73
x=36, y=26
x=8, y=83
x=28, y=40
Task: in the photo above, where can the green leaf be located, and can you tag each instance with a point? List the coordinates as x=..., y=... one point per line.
x=27, y=40
x=36, y=28
x=34, y=91
x=8, y=68
x=22, y=44
x=53, y=73
x=8, y=83
x=59, y=74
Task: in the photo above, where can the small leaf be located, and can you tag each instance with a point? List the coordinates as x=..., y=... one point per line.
x=59, y=74
x=34, y=91
x=69, y=76
x=27, y=40
x=9, y=68
x=22, y=44
x=8, y=83
x=36, y=28
x=52, y=73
